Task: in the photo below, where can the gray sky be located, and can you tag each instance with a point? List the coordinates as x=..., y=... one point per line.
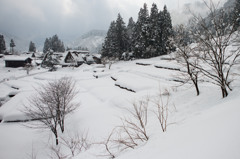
x=71, y=18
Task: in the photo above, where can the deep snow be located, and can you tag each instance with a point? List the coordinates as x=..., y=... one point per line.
x=204, y=127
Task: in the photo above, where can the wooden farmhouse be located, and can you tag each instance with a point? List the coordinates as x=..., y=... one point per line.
x=17, y=61
x=72, y=59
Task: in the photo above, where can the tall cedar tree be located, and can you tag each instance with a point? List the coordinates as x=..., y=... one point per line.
x=53, y=43
x=141, y=33
x=2, y=44
x=167, y=31
x=154, y=31
x=130, y=29
x=46, y=46
x=122, y=38
x=12, y=45
x=109, y=44
x=32, y=47
x=116, y=41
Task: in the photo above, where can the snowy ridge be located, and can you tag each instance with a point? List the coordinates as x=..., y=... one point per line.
x=92, y=40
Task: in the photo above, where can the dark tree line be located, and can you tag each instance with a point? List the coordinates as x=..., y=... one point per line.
x=53, y=43
x=2, y=44
x=149, y=37
x=32, y=47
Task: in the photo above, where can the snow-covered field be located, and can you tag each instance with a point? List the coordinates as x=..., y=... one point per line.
x=202, y=127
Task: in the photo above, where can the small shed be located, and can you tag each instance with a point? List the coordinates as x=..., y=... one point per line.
x=17, y=61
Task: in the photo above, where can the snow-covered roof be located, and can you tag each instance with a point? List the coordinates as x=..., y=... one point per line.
x=16, y=58
x=79, y=51
x=89, y=58
x=78, y=57
x=97, y=55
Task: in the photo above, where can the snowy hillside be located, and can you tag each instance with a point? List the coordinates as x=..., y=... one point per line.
x=92, y=40
x=199, y=127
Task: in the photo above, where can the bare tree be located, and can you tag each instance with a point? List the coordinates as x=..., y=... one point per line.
x=108, y=144
x=184, y=55
x=162, y=111
x=76, y=143
x=63, y=93
x=52, y=103
x=57, y=153
x=28, y=67
x=214, y=36
x=134, y=130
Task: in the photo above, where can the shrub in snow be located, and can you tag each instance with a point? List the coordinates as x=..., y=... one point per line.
x=76, y=143
x=162, y=108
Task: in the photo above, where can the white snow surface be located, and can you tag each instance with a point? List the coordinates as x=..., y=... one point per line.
x=202, y=127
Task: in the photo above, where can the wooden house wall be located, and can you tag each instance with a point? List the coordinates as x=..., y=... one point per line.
x=19, y=63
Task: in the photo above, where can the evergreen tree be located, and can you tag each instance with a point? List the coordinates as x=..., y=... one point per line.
x=108, y=48
x=116, y=41
x=167, y=31
x=121, y=37
x=141, y=33
x=2, y=44
x=130, y=29
x=154, y=32
x=32, y=47
x=47, y=45
x=56, y=44
x=12, y=45
x=53, y=43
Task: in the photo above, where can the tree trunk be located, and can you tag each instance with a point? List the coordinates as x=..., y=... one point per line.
x=56, y=137
x=223, y=85
x=224, y=91
x=196, y=87
x=62, y=125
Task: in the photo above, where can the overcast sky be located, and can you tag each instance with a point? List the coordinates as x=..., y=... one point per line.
x=72, y=18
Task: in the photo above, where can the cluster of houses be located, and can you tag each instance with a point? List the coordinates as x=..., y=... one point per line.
x=68, y=58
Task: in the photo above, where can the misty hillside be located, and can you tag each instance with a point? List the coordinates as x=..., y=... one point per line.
x=92, y=40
